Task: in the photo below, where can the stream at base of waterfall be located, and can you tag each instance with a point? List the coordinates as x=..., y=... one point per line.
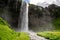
x=34, y=36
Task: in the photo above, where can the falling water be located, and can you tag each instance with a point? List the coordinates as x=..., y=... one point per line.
x=24, y=17
x=24, y=22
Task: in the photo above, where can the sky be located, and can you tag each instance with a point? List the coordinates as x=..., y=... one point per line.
x=48, y=1
x=35, y=1
x=41, y=1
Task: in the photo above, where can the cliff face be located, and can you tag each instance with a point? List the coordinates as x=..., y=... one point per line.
x=40, y=18
x=9, y=10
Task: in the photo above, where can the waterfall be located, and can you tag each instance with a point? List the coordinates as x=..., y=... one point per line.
x=23, y=17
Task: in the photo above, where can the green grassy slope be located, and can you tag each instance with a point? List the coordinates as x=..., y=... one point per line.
x=50, y=35
x=8, y=34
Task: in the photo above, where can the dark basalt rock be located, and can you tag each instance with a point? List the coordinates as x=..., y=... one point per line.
x=10, y=10
x=3, y=3
x=36, y=13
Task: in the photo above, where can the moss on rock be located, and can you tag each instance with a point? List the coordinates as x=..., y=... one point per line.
x=56, y=23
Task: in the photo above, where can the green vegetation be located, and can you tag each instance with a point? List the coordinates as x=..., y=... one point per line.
x=5, y=32
x=8, y=34
x=56, y=23
x=3, y=22
x=50, y=35
x=23, y=36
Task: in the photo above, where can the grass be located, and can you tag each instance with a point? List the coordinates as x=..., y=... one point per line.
x=50, y=35
x=6, y=33
x=3, y=22
x=23, y=36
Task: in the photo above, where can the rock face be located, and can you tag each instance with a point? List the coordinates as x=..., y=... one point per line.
x=9, y=10
x=40, y=19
